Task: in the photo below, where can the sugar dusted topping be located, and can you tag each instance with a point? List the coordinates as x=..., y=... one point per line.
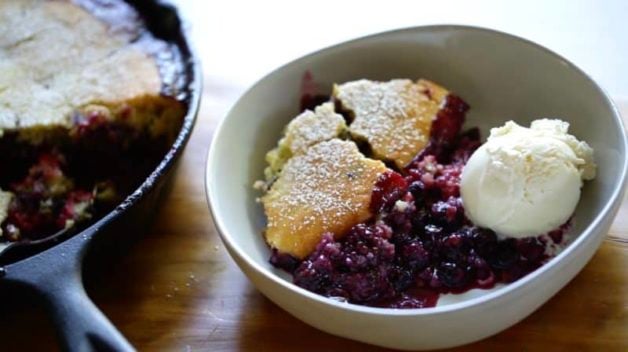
x=394, y=117
x=305, y=130
x=382, y=99
x=312, y=127
x=326, y=189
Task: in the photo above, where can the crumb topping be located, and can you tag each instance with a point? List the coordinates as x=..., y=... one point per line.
x=394, y=117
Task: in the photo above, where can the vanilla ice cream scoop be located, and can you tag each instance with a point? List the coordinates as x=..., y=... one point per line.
x=526, y=181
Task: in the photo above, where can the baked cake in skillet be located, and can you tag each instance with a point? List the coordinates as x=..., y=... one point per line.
x=83, y=113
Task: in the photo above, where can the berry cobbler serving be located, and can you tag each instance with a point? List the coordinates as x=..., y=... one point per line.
x=376, y=195
x=86, y=111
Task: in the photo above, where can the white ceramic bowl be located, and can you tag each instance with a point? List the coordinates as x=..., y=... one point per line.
x=502, y=77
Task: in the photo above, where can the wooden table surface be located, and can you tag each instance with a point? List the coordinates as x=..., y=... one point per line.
x=178, y=290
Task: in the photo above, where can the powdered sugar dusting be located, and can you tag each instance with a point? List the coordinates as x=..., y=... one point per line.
x=394, y=117
x=312, y=127
x=326, y=189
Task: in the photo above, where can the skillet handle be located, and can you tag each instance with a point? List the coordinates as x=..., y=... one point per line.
x=81, y=325
x=55, y=275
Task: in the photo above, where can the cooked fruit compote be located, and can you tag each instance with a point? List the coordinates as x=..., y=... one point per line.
x=364, y=205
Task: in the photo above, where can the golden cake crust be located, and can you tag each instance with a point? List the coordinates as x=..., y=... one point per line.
x=305, y=130
x=55, y=57
x=312, y=127
x=326, y=189
x=394, y=117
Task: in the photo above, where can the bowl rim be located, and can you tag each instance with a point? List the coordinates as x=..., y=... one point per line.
x=500, y=292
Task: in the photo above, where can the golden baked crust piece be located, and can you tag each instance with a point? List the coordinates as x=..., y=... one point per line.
x=326, y=189
x=55, y=58
x=305, y=130
x=394, y=117
x=312, y=127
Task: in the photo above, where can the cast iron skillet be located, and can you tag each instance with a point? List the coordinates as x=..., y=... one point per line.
x=54, y=271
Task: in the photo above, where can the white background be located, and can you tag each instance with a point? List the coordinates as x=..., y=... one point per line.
x=240, y=41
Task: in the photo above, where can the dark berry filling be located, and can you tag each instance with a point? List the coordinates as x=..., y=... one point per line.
x=45, y=201
x=420, y=244
x=310, y=98
x=78, y=176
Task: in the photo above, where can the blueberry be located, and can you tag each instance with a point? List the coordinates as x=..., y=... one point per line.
x=454, y=248
x=417, y=189
x=480, y=267
x=401, y=279
x=313, y=276
x=531, y=248
x=284, y=261
x=484, y=240
x=451, y=275
x=504, y=256
x=448, y=213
